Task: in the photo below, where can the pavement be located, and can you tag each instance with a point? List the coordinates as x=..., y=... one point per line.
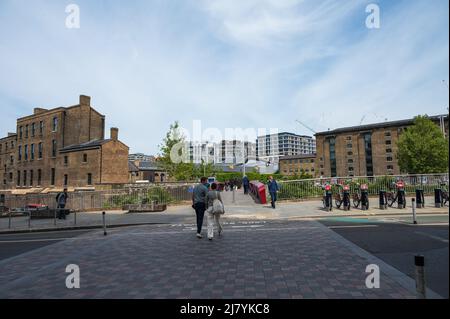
x=299, y=259
x=286, y=253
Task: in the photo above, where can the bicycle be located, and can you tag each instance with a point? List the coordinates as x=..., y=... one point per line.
x=357, y=197
x=391, y=198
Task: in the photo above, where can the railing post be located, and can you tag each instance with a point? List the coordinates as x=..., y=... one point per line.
x=413, y=210
x=104, y=224
x=75, y=217
x=9, y=222
x=54, y=216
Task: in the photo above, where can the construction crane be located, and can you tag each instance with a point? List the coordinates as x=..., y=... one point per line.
x=306, y=126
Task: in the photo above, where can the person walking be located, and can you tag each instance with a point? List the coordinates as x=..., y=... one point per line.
x=273, y=190
x=61, y=201
x=246, y=184
x=214, y=208
x=199, y=203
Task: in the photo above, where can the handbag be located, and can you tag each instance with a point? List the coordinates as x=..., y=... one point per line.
x=217, y=207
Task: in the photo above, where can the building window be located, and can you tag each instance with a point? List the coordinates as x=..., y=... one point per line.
x=26, y=131
x=349, y=145
x=89, y=179
x=84, y=158
x=389, y=159
x=349, y=153
x=388, y=142
x=66, y=160
x=10, y=177
x=39, y=177
x=55, y=124
x=25, y=152
x=18, y=178
x=350, y=161
x=32, y=152
x=387, y=134
x=31, y=177
x=40, y=151
x=11, y=160
x=368, y=151
x=53, y=148
x=390, y=167
x=66, y=180
x=389, y=150
x=12, y=145
x=53, y=177
x=348, y=138
x=41, y=127
x=20, y=131
x=33, y=129
x=24, y=178
x=332, y=142
x=350, y=168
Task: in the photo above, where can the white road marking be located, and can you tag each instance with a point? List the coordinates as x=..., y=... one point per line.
x=353, y=226
x=432, y=236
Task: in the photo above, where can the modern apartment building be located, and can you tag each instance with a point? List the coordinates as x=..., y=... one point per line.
x=365, y=150
x=285, y=144
x=63, y=147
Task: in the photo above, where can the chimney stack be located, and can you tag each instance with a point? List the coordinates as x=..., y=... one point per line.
x=85, y=100
x=114, y=133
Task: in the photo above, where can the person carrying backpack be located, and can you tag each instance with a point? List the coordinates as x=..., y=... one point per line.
x=214, y=208
x=61, y=200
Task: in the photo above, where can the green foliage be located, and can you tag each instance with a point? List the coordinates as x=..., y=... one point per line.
x=422, y=149
x=158, y=195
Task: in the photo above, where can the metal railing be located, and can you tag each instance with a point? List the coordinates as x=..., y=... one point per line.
x=107, y=199
x=313, y=188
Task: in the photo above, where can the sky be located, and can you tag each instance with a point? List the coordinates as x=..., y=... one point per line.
x=228, y=63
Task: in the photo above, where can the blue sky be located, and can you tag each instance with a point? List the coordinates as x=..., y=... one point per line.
x=248, y=64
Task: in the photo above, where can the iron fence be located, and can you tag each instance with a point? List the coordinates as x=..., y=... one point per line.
x=313, y=188
x=106, y=199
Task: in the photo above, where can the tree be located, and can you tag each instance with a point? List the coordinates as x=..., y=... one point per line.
x=422, y=148
x=172, y=144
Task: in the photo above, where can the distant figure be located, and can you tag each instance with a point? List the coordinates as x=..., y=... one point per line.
x=273, y=190
x=231, y=183
x=199, y=203
x=214, y=208
x=246, y=184
x=61, y=200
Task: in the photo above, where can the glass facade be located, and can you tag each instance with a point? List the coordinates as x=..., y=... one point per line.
x=332, y=142
x=368, y=152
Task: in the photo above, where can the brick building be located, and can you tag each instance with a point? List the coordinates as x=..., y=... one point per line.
x=293, y=165
x=64, y=146
x=366, y=150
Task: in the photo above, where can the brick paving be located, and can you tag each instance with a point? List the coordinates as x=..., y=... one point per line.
x=297, y=259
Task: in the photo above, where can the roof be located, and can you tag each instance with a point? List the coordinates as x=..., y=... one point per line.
x=132, y=167
x=284, y=133
x=84, y=146
x=148, y=166
x=300, y=156
x=377, y=125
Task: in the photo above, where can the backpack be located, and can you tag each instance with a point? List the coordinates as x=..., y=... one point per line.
x=218, y=207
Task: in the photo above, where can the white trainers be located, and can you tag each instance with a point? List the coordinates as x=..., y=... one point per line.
x=199, y=236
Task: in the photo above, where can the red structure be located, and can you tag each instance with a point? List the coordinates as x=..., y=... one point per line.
x=258, y=190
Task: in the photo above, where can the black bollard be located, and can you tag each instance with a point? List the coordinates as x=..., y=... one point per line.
x=383, y=200
x=438, y=197
x=420, y=199
x=419, y=262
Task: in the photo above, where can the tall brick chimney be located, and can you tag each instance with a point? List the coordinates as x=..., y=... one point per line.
x=85, y=100
x=114, y=133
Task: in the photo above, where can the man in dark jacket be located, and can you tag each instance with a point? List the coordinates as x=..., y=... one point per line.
x=246, y=184
x=61, y=200
x=199, y=203
x=273, y=190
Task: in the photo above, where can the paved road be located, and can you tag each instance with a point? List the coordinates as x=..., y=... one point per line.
x=395, y=240
x=254, y=259
x=16, y=244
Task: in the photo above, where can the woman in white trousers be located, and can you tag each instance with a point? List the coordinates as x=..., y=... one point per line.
x=212, y=216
